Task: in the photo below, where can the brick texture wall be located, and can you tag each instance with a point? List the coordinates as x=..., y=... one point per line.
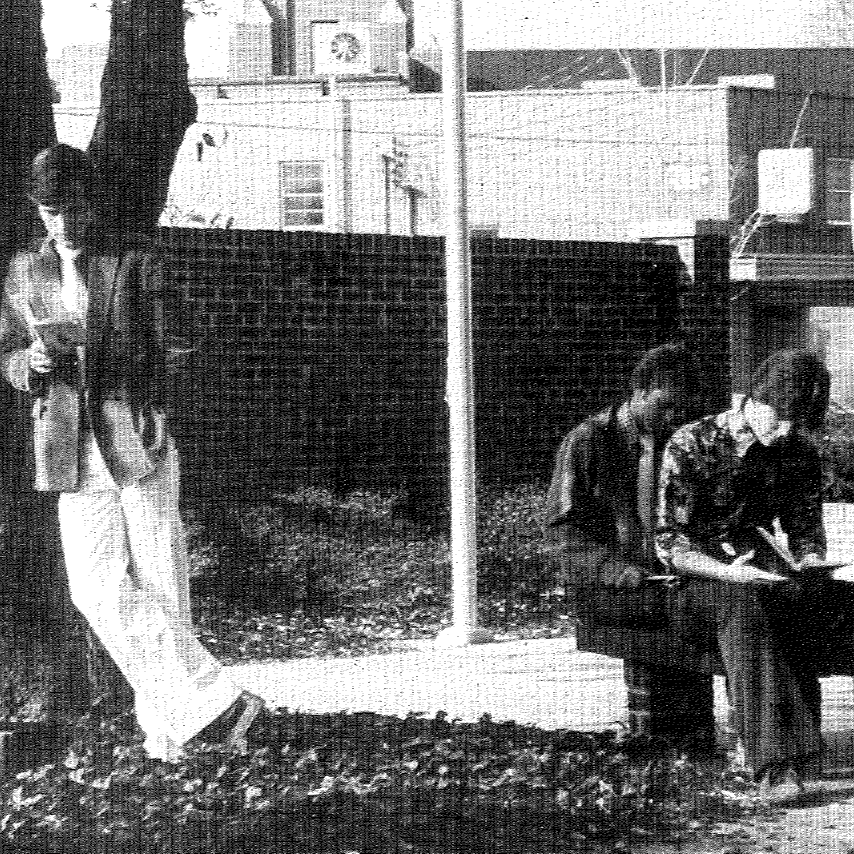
x=320, y=358
x=705, y=318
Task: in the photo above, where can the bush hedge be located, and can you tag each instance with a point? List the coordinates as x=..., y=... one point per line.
x=838, y=451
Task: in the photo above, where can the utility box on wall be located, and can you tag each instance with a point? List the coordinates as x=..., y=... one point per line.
x=786, y=182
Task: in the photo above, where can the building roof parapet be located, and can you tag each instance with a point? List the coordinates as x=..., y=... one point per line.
x=782, y=268
x=291, y=80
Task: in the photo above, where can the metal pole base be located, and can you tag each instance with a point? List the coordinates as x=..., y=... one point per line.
x=457, y=636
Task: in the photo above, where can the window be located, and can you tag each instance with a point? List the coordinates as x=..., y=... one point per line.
x=838, y=195
x=302, y=193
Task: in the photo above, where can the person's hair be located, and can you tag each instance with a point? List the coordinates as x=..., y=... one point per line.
x=666, y=364
x=58, y=173
x=796, y=383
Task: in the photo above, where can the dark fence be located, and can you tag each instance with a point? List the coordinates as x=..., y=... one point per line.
x=321, y=357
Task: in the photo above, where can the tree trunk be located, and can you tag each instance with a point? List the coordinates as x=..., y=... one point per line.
x=26, y=127
x=26, y=116
x=146, y=108
x=39, y=628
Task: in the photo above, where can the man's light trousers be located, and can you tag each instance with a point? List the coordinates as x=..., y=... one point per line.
x=126, y=557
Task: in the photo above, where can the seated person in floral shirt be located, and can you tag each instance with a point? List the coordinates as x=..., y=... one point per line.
x=722, y=479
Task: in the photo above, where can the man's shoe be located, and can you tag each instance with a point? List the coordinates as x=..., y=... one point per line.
x=778, y=790
x=230, y=727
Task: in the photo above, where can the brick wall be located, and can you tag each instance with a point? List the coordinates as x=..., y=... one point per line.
x=321, y=357
x=705, y=317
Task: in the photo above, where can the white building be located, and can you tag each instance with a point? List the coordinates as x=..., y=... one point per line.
x=262, y=40
x=561, y=164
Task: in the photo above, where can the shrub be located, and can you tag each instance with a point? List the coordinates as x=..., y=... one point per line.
x=838, y=454
x=516, y=580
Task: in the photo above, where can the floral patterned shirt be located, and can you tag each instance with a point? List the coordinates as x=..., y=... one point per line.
x=718, y=483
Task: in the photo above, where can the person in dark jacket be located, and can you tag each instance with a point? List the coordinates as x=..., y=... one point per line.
x=80, y=331
x=601, y=509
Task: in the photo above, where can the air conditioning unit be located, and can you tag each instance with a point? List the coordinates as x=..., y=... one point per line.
x=342, y=48
x=786, y=182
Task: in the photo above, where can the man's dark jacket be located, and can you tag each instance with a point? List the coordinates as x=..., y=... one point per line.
x=594, y=529
x=593, y=499
x=119, y=390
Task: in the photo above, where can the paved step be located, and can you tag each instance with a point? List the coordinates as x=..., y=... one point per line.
x=543, y=682
x=548, y=683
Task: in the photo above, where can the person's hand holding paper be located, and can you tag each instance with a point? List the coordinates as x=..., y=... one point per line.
x=51, y=335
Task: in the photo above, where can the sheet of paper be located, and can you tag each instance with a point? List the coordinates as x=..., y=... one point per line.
x=844, y=573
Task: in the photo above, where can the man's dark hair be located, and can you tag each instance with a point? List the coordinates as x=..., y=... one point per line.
x=796, y=383
x=58, y=173
x=669, y=363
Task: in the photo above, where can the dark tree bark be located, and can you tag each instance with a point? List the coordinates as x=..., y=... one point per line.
x=146, y=108
x=26, y=126
x=26, y=116
x=37, y=616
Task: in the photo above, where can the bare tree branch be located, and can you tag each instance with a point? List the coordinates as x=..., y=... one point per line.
x=797, y=129
x=625, y=59
x=697, y=67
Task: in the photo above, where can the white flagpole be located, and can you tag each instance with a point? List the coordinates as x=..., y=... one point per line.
x=460, y=384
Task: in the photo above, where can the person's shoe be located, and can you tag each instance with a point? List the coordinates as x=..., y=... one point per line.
x=230, y=727
x=777, y=790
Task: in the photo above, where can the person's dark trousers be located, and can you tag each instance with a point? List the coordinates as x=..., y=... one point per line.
x=773, y=642
x=673, y=704
x=665, y=700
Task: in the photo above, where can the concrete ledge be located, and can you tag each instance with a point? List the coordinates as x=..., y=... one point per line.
x=547, y=683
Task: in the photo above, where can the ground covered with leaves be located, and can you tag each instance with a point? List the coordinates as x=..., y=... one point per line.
x=374, y=784
x=309, y=574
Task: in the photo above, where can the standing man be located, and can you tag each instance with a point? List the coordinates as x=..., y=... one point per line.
x=602, y=504
x=723, y=478
x=80, y=332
